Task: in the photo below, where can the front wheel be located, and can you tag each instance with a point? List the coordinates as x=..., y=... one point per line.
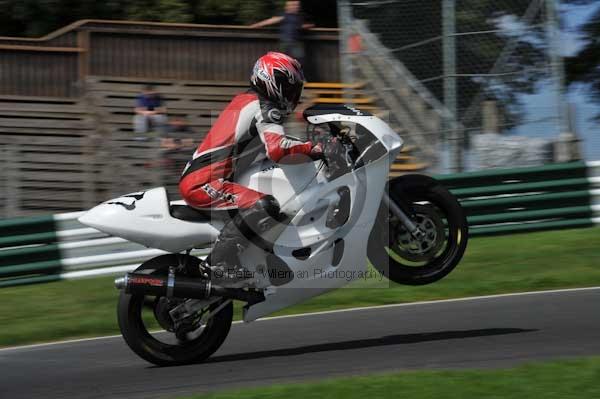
x=140, y=316
x=410, y=260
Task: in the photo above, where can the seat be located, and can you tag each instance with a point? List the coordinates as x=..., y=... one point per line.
x=189, y=214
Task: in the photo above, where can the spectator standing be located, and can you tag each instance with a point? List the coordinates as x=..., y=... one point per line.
x=291, y=25
x=150, y=111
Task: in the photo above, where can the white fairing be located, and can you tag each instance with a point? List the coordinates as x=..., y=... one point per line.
x=284, y=182
x=144, y=218
x=316, y=274
x=388, y=137
x=305, y=195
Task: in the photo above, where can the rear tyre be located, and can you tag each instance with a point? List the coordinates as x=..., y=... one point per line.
x=404, y=259
x=169, y=348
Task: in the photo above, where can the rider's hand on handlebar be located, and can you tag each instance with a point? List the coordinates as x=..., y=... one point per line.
x=317, y=154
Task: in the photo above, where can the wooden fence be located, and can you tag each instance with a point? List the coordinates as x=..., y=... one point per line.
x=56, y=65
x=66, y=154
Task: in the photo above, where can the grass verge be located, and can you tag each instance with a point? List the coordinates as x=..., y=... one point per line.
x=492, y=265
x=565, y=379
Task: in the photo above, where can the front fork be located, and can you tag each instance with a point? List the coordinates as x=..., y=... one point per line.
x=406, y=221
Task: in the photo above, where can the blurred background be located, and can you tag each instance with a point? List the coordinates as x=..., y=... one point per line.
x=511, y=80
x=497, y=99
x=102, y=98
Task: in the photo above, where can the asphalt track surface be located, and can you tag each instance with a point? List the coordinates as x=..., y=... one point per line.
x=474, y=333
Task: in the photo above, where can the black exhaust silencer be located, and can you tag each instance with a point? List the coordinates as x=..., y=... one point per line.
x=182, y=287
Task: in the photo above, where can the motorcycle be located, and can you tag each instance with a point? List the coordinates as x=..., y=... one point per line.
x=417, y=234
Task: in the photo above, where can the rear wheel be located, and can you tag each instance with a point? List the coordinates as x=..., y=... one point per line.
x=406, y=259
x=189, y=341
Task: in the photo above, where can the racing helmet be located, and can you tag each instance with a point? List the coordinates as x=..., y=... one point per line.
x=279, y=79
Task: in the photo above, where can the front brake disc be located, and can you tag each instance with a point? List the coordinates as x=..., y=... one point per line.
x=423, y=249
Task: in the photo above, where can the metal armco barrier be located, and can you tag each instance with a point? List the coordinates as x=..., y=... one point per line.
x=504, y=201
x=501, y=201
x=58, y=247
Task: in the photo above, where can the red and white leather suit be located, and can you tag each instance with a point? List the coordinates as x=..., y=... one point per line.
x=245, y=132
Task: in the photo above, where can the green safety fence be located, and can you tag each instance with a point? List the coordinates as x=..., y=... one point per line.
x=505, y=201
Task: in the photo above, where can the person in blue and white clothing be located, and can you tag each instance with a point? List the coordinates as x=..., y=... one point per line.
x=150, y=111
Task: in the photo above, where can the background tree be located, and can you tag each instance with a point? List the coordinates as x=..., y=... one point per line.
x=39, y=17
x=584, y=67
x=235, y=11
x=159, y=10
x=403, y=24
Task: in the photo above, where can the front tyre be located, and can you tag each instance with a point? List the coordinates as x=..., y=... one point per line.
x=405, y=259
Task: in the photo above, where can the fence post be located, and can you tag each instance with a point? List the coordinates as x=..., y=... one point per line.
x=3, y=177
x=454, y=134
x=491, y=117
x=11, y=206
x=557, y=64
x=89, y=171
x=83, y=59
x=345, y=24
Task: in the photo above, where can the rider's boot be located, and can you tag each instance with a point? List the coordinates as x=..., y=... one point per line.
x=247, y=225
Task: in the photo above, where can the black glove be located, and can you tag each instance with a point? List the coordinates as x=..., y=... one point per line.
x=317, y=154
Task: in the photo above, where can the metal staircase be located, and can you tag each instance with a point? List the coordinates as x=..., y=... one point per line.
x=413, y=110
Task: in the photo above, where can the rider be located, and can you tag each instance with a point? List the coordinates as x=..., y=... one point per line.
x=248, y=130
